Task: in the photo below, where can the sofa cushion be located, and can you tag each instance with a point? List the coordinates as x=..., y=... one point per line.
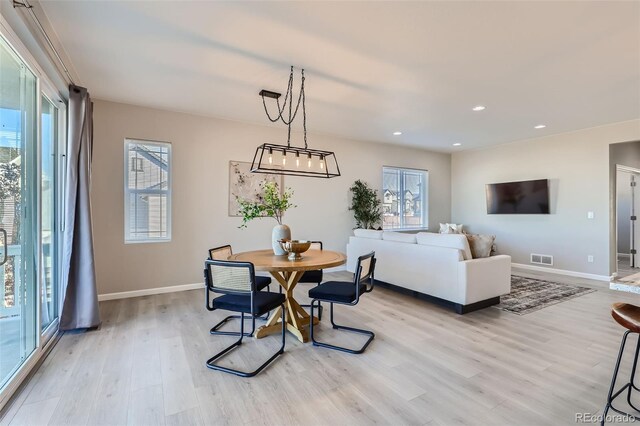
x=455, y=241
x=399, y=237
x=480, y=245
x=368, y=233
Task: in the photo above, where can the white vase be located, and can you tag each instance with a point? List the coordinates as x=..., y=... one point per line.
x=280, y=232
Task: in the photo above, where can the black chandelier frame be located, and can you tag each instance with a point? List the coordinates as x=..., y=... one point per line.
x=315, y=157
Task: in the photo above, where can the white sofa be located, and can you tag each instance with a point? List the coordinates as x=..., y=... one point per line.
x=438, y=266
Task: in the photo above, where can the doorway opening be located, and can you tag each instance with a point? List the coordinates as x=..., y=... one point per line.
x=628, y=226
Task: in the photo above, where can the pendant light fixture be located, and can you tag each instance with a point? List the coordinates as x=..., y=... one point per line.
x=291, y=160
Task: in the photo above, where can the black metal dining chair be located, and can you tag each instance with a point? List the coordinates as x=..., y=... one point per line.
x=236, y=281
x=345, y=293
x=314, y=276
x=223, y=253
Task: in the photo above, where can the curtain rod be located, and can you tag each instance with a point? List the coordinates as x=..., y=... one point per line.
x=28, y=7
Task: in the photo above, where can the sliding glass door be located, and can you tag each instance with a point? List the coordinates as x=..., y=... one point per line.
x=49, y=192
x=19, y=330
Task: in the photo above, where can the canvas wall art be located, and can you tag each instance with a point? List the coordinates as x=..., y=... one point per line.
x=246, y=185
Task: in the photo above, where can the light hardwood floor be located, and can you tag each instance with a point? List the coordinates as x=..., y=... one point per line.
x=427, y=366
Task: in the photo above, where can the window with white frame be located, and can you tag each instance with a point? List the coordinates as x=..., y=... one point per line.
x=405, y=194
x=147, y=191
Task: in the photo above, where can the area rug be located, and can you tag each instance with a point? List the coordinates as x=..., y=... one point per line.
x=530, y=294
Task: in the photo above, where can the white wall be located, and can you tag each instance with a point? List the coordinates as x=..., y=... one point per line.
x=577, y=163
x=202, y=149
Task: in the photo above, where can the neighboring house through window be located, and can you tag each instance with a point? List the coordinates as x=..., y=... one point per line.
x=404, y=198
x=147, y=191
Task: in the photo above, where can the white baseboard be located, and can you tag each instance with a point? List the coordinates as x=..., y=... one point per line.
x=172, y=289
x=149, y=291
x=562, y=272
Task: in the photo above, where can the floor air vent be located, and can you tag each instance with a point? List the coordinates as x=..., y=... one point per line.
x=542, y=259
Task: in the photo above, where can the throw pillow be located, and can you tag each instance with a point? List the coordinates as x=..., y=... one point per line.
x=448, y=229
x=451, y=228
x=480, y=245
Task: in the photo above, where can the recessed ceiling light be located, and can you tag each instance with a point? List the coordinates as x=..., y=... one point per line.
x=397, y=133
x=540, y=126
x=457, y=144
x=479, y=108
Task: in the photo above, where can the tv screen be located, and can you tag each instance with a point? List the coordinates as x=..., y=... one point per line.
x=526, y=197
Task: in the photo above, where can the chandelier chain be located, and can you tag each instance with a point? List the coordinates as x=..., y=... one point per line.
x=290, y=119
x=286, y=96
x=304, y=112
x=295, y=113
x=288, y=99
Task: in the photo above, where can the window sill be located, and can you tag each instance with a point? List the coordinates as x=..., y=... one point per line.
x=407, y=229
x=163, y=240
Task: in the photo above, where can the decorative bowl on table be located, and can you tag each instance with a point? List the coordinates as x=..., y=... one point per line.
x=295, y=248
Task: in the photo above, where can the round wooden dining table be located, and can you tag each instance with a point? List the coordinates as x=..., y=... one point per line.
x=287, y=273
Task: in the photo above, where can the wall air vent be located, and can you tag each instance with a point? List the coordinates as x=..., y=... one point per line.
x=542, y=259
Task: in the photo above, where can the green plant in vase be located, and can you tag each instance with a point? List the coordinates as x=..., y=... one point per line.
x=270, y=203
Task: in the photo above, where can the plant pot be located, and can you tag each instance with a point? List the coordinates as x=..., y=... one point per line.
x=280, y=232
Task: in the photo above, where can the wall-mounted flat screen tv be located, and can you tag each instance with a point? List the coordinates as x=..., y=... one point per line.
x=525, y=197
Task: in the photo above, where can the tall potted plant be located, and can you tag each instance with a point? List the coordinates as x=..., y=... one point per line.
x=365, y=205
x=270, y=203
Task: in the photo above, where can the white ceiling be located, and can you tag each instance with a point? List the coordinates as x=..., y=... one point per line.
x=372, y=68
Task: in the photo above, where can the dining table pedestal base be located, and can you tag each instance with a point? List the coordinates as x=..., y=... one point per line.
x=287, y=273
x=296, y=317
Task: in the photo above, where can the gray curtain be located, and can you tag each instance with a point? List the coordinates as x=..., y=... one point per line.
x=80, y=307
